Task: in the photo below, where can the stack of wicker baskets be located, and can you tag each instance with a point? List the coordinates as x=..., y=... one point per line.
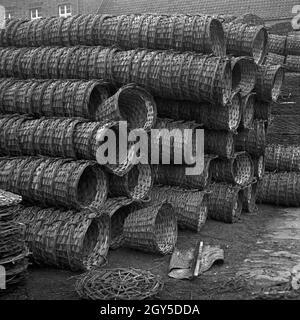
x=280, y=185
x=113, y=79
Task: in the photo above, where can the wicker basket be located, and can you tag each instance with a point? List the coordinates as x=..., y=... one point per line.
x=8, y=199
x=246, y=40
x=132, y=284
x=259, y=167
x=66, y=239
x=263, y=110
x=292, y=63
x=118, y=209
x=248, y=104
x=280, y=189
x=180, y=32
x=252, y=140
x=237, y=170
x=211, y=116
x=189, y=205
x=290, y=86
x=152, y=229
x=220, y=143
x=136, y=184
x=56, y=182
x=224, y=203
x=277, y=44
x=250, y=19
x=249, y=198
x=244, y=75
x=132, y=104
x=269, y=82
x=282, y=158
x=274, y=59
x=293, y=45
x=69, y=98
x=176, y=175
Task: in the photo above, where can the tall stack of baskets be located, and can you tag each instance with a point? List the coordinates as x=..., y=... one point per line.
x=281, y=183
x=66, y=82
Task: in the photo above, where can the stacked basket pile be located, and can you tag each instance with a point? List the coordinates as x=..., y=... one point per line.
x=280, y=185
x=65, y=121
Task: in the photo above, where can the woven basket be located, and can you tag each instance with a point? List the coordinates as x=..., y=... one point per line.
x=132, y=284
x=248, y=104
x=277, y=44
x=285, y=124
x=189, y=205
x=224, y=203
x=244, y=75
x=246, y=40
x=252, y=140
x=136, y=184
x=8, y=199
x=293, y=45
x=249, y=198
x=263, y=110
x=118, y=209
x=259, y=167
x=274, y=59
x=132, y=104
x=280, y=189
x=211, y=116
x=220, y=143
x=290, y=86
x=68, y=98
x=66, y=239
x=152, y=229
x=54, y=182
x=180, y=32
x=292, y=63
x=176, y=175
x=250, y=19
x=269, y=82
x=282, y=158
x=183, y=76
x=237, y=170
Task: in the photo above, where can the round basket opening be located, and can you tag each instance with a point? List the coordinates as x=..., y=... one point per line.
x=165, y=229
x=139, y=181
x=259, y=46
x=90, y=239
x=87, y=187
x=227, y=83
x=235, y=112
x=277, y=83
x=248, y=111
x=97, y=96
x=136, y=108
x=244, y=71
x=217, y=38
x=242, y=169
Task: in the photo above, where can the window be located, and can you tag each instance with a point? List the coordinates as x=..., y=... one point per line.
x=64, y=10
x=36, y=13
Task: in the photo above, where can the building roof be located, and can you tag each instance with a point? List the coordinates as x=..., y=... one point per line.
x=267, y=9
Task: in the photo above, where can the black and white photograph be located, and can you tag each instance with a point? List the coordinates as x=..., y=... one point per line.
x=149, y=153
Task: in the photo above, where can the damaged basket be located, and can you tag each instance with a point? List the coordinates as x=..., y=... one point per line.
x=152, y=229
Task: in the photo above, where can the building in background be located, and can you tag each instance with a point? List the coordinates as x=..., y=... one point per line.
x=272, y=11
